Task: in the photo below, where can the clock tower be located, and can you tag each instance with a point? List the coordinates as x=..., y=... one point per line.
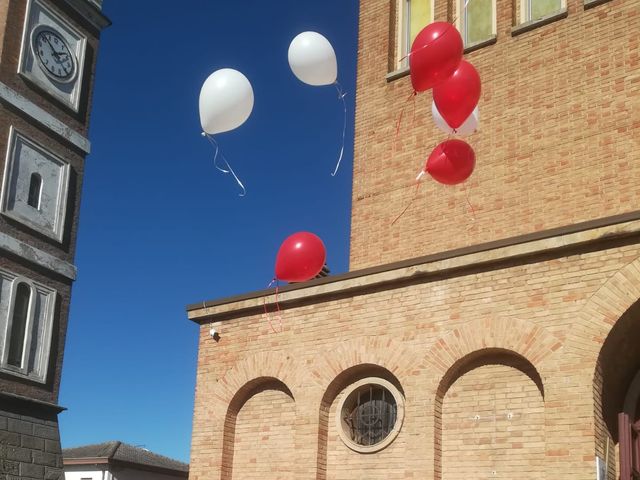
x=48, y=51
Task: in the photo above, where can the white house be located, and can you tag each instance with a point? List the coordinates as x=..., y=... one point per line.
x=119, y=461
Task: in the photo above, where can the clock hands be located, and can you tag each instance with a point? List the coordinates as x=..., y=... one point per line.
x=55, y=52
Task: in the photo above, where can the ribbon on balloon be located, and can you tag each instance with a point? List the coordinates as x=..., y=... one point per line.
x=341, y=95
x=228, y=168
x=225, y=103
x=278, y=312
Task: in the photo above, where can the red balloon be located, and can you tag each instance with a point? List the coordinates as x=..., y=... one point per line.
x=458, y=96
x=300, y=258
x=451, y=162
x=435, y=54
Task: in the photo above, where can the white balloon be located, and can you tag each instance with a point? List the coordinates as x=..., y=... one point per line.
x=226, y=101
x=312, y=59
x=469, y=126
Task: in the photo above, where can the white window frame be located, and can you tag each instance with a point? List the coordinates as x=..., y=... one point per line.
x=461, y=23
x=525, y=10
x=403, y=27
x=47, y=298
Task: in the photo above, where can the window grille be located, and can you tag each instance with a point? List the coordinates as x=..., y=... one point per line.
x=371, y=415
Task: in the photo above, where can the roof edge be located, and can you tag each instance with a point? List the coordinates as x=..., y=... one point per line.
x=413, y=262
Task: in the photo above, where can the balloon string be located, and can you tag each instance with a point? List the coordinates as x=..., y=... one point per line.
x=341, y=95
x=228, y=168
x=266, y=311
x=415, y=195
x=466, y=194
x=399, y=121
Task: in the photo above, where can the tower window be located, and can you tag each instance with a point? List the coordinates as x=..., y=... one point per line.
x=19, y=325
x=26, y=322
x=477, y=20
x=35, y=190
x=413, y=16
x=536, y=9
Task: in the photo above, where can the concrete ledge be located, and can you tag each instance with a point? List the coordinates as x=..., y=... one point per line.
x=593, y=3
x=431, y=266
x=539, y=22
x=401, y=72
x=91, y=12
x=44, y=118
x=19, y=398
x=37, y=256
x=479, y=45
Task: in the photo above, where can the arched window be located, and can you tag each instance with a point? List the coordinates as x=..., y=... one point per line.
x=19, y=325
x=27, y=311
x=35, y=189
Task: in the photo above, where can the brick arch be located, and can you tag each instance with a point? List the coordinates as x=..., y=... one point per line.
x=526, y=339
x=608, y=312
x=603, y=310
x=262, y=365
x=349, y=362
x=516, y=385
x=243, y=395
x=266, y=371
x=383, y=352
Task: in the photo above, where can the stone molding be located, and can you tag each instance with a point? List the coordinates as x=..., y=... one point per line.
x=37, y=256
x=43, y=118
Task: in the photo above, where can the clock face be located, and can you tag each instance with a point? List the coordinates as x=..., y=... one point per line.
x=53, y=54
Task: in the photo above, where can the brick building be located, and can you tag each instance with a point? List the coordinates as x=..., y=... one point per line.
x=492, y=331
x=48, y=54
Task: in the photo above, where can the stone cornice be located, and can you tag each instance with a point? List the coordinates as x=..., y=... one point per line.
x=90, y=10
x=43, y=118
x=445, y=263
x=37, y=256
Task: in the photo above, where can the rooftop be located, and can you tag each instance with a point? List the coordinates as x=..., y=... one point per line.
x=116, y=452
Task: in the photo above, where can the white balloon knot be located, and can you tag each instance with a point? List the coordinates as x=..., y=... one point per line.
x=203, y=134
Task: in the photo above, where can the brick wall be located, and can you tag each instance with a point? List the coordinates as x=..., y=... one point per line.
x=438, y=339
x=559, y=122
x=493, y=426
x=29, y=443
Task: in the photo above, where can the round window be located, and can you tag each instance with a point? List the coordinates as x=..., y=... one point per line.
x=370, y=415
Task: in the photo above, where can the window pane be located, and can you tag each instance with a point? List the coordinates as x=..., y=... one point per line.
x=35, y=186
x=540, y=8
x=420, y=12
x=478, y=21
x=19, y=325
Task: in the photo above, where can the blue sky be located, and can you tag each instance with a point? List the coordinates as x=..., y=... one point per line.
x=160, y=228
